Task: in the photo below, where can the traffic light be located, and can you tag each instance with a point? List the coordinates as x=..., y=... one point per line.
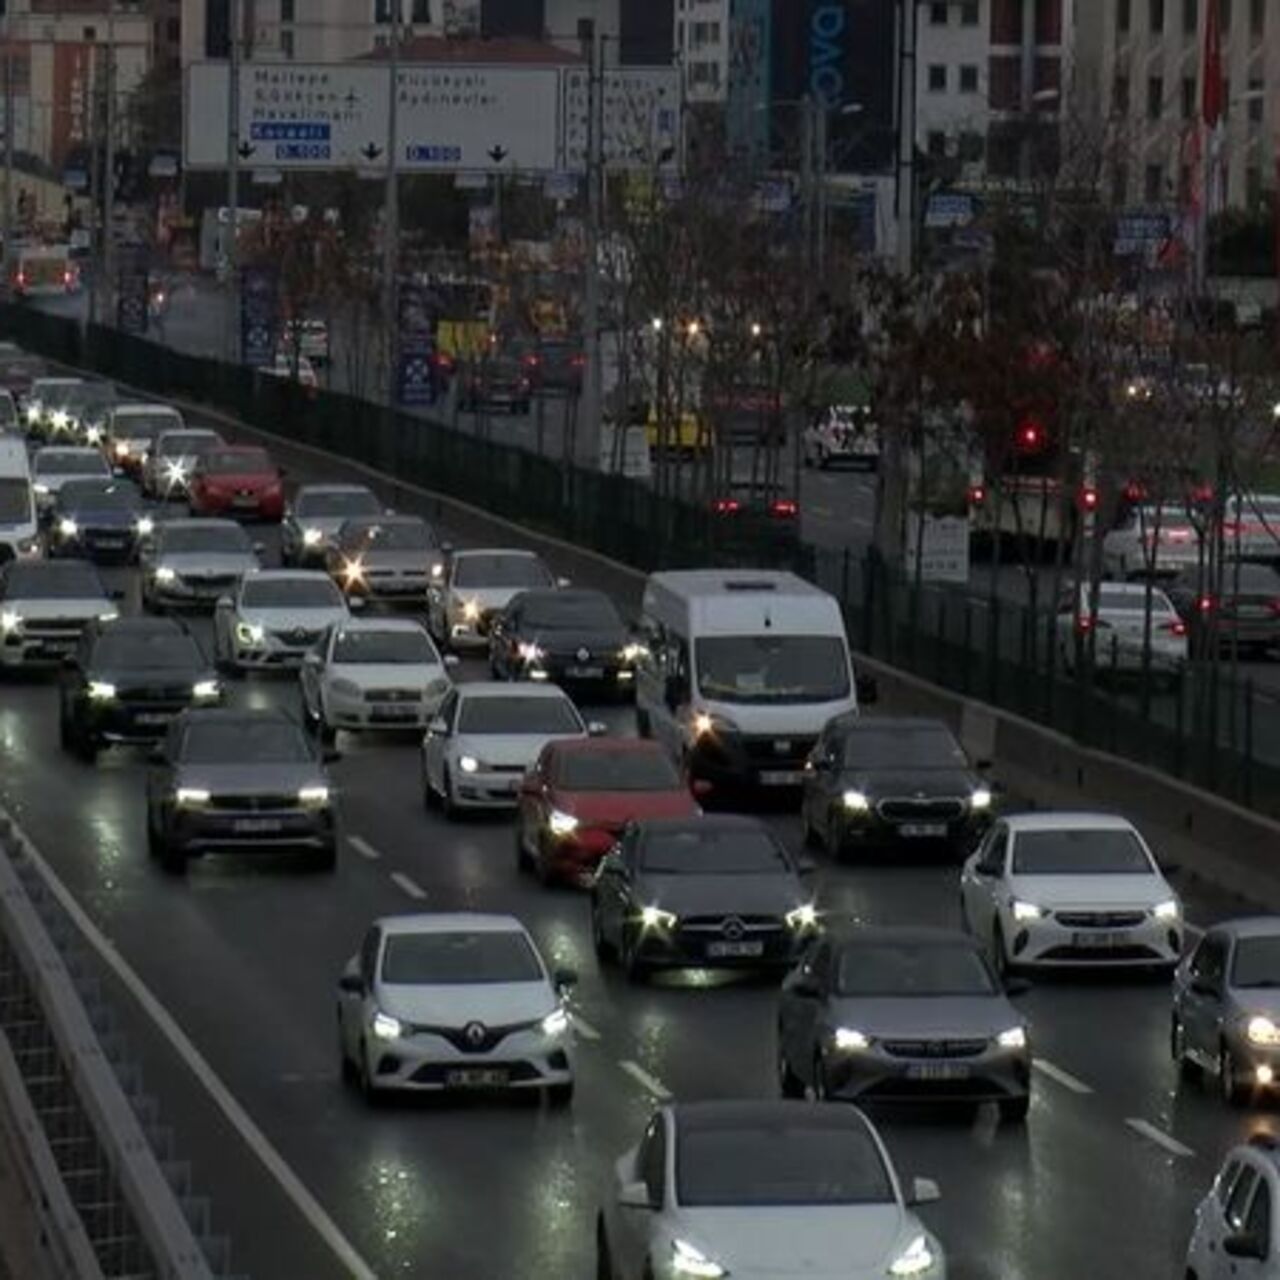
x=1031, y=436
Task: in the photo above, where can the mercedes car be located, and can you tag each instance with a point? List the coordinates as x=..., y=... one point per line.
x=475, y=587
x=388, y=558
x=193, y=563
x=273, y=618
x=313, y=518
x=44, y=606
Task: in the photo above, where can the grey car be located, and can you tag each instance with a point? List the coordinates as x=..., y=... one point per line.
x=1226, y=1008
x=192, y=563
x=899, y=1014
x=239, y=782
x=387, y=558
x=315, y=515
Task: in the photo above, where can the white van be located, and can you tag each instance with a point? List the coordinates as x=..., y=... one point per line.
x=743, y=669
x=19, y=532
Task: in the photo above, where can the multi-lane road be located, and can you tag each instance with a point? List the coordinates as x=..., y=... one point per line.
x=228, y=998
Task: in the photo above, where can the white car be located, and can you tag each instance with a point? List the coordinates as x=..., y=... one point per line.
x=487, y=736
x=167, y=471
x=476, y=587
x=1119, y=628
x=194, y=562
x=283, y=366
x=842, y=433
x=1150, y=540
x=756, y=1190
x=44, y=606
x=317, y=512
x=374, y=673
x=132, y=430
x=454, y=1001
x=1237, y=1231
x=1251, y=525
x=54, y=465
x=274, y=617
x=1064, y=889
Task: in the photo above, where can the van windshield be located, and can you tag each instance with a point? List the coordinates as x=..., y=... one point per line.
x=15, y=500
x=771, y=668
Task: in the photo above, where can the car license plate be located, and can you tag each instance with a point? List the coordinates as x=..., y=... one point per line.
x=938, y=1071
x=257, y=826
x=393, y=714
x=154, y=717
x=476, y=1077
x=725, y=950
x=782, y=777
x=244, y=500
x=109, y=544
x=1099, y=939
x=585, y=673
x=923, y=830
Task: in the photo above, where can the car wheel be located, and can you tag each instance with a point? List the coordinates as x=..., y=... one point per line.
x=523, y=861
x=789, y=1084
x=818, y=1089
x=633, y=964
x=1178, y=1050
x=603, y=947
x=364, y=1079
x=85, y=746
x=325, y=733
x=1234, y=1092
x=171, y=858
x=809, y=833
x=644, y=726
x=560, y=1095
x=1000, y=956
x=604, y=1262
x=430, y=800
x=447, y=802
x=1014, y=1110
x=326, y=858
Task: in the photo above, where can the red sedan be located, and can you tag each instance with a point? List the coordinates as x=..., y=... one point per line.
x=582, y=792
x=238, y=480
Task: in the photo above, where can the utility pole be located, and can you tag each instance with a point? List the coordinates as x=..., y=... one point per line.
x=109, y=177
x=233, y=183
x=391, y=212
x=588, y=434
x=907, y=137
x=807, y=112
x=821, y=116
x=8, y=152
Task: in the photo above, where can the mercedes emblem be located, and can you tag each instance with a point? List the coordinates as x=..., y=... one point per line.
x=733, y=928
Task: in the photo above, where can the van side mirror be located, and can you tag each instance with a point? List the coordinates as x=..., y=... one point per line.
x=565, y=978
x=351, y=984
x=924, y=1191
x=634, y=1195
x=1244, y=1244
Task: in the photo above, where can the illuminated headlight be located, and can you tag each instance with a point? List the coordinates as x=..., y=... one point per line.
x=203, y=690
x=41, y=490
x=981, y=799
x=561, y=824
x=316, y=796
x=59, y=419
x=101, y=691
x=556, y=1023
x=437, y=570
x=93, y=434
x=805, y=916
x=250, y=633
x=688, y=1261
x=68, y=528
x=1168, y=910
x=312, y=537
x=1262, y=1030
x=632, y=653
x=145, y=527
x=1014, y=1038
x=915, y=1260
x=190, y=796
x=469, y=764
x=29, y=547
x=353, y=570
x=856, y=802
x=656, y=918
x=10, y=621
x=1026, y=911
x=385, y=1027
x=165, y=574
x=121, y=449
x=33, y=413
x=175, y=472
x=529, y=652
x=108, y=615
x=471, y=610
x=703, y=724
x=851, y=1038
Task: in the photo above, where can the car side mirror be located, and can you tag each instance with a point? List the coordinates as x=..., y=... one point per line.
x=355, y=603
x=446, y=548
x=868, y=688
x=70, y=662
x=156, y=755
x=1204, y=986
x=634, y=1195
x=673, y=692
x=117, y=593
x=1170, y=868
x=259, y=548
x=984, y=766
x=351, y=984
x=804, y=986
x=1245, y=1245
x=452, y=660
x=565, y=978
x=1016, y=986
x=438, y=728
x=597, y=729
x=924, y=1191
x=822, y=764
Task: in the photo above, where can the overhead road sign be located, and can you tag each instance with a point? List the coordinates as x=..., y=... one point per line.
x=640, y=118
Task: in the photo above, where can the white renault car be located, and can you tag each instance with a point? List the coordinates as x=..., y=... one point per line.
x=1237, y=1231
x=374, y=673
x=454, y=1001
x=1063, y=889
x=488, y=736
x=476, y=587
x=757, y=1190
x=1119, y=627
x=274, y=617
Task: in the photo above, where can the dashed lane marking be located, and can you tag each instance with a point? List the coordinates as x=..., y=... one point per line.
x=1159, y=1137
x=651, y=1083
x=408, y=885
x=583, y=1027
x=364, y=848
x=1059, y=1076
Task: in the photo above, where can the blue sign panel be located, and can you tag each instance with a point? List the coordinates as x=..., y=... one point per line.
x=289, y=131
x=258, y=316
x=415, y=329
x=433, y=154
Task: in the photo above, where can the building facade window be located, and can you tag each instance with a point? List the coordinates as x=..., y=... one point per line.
x=1253, y=186
x=1224, y=15
x=1155, y=97
x=938, y=14
x=937, y=143
x=1120, y=96
x=969, y=13
x=1153, y=184
x=1257, y=18
x=1122, y=17
x=1119, y=184
x=1189, y=97
x=1190, y=17
x=972, y=147
x=1155, y=16
x=937, y=78
x=968, y=79
x=1257, y=100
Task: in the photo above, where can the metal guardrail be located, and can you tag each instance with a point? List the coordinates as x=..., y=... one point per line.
x=114, y=1203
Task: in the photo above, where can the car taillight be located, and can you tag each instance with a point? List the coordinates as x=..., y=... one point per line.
x=529, y=361
x=1088, y=499
x=68, y=276
x=22, y=279
x=1176, y=628
x=977, y=495
x=578, y=361
x=1134, y=492
x=1085, y=624
x=784, y=507
x=726, y=506
x=1232, y=528
x=1274, y=606
x=1205, y=604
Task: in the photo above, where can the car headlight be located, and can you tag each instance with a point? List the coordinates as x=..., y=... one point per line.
x=146, y=526
x=632, y=653
x=915, y=1260
x=58, y=418
x=10, y=621
x=33, y=413
x=856, y=801
x=1014, y=1038
x=556, y=1023
x=704, y=723
x=468, y=764
x=656, y=918
x=316, y=795
x=93, y=434
x=312, y=537
x=205, y=689
x=175, y=471
x=191, y=796
x=851, y=1038
x=561, y=824
x=437, y=570
x=345, y=689
x=688, y=1261
x=1170, y=909
x=353, y=570
x=250, y=633
x=981, y=798
x=1026, y=910
x=101, y=691
x=438, y=687
x=68, y=527
x=385, y=1027
x=41, y=490
x=108, y=615
x=471, y=610
x=805, y=916
x=164, y=574
x=121, y=449
x=529, y=652
x=1260, y=1029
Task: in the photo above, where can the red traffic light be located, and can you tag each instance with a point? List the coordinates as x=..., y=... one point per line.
x=1030, y=435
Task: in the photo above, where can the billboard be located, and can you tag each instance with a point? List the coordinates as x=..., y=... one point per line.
x=640, y=118
x=746, y=107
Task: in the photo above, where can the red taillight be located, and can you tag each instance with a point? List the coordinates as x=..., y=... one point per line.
x=68, y=276
x=1202, y=493
x=1176, y=628
x=1205, y=604
x=1177, y=535
x=1030, y=436
x=1084, y=624
x=530, y=361
x=22, y=279
x=1088, y=499
x=977, y=495
x=577, y=361
x=1134, y=492
x=784, y=507
x=726, y=506
x=1232, y=528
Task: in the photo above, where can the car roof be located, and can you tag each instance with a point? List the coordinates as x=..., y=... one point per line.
x=568, y=593
x=383, y=623
x=79, y=450
x=1066, y=821
x=722, y=822
x=390, y=517
x=1249, y=927
x=331, y=488
x=892, y=724
x=143, y=406
x=287, y=575
x=504, y=689
x=237, y=715
x=494, y=551
x=614, y=746
x=242, y=448
x=204, y=522
x=451, y=922
x=691, y=1116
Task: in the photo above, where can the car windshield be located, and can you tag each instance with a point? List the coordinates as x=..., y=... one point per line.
x=141, y=650
x=15, y=500
x=911, y=969
x=53, y=581
x=926, y=747
x=501, y=571
x=518, y=714
x=53, y=391
x=290, y=593
x=407, y=535
x=612, y=770
x=390, y=647
x=772, y=668
x=345, y=502
x=245, y=740
x=779, y=1162
x=1118, y=600
x=1256, y=962
x=141, y=426
x=709, y=851
x=216, y=539
x=59, y=462
x=89, y=398
x=1101, y=851
x=572, y=611
x=184, y=444
x=457, y=959
x=101, y=495
x=227, y=462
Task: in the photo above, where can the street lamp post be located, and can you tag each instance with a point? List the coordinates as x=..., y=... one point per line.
x=391, y=214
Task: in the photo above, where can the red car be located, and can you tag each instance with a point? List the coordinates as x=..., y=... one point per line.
x=238, y=480
x=575, y=801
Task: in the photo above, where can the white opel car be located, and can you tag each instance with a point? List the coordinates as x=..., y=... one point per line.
x=274, y=617
x=454, y=1001
x=757, y=1190
x=1063, y=889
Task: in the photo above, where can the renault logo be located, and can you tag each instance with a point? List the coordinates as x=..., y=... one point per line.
x=299, y=634
x=583, y=654
x=733, y=928
x=475, y=1033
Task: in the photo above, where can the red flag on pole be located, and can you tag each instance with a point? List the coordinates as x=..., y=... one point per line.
x=1211, y=87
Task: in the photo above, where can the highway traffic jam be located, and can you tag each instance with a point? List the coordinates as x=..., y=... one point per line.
x=655, y=942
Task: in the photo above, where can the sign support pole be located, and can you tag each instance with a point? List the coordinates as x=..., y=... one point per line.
x=391, y=214
x=233, y=184
x=588, y=441
x=8, y=155
x=109, y=177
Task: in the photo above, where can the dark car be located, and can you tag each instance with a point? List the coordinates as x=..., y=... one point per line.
x=127, y=681
x=708, y=891
x=898, y=1014
x=552, y=364
x=890, y=781
x=496, y=382
x=571, y=637
x=99, y=520
x=239, y=782
x=1244, y=614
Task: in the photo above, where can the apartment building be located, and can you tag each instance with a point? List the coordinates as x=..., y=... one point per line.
x=702, y=48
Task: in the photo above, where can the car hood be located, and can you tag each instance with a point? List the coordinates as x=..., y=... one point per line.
x=419, y=561
x=33, y=610
x=54, y=483
x=328, y=525
x=103, y=517
x=703, y=895
x=845, y=1241
x=149, y=677
x=505, y=748
x=613, y=808
x=251, y=779
x=241, y=480
x=212, y=564
x=569, y=641
x=391, y=675
x=1103, y=892
x=780, y=720
x=289, y=619
x=496, y=1004
x=910, y=783
x=486, y=597
x=952, y=1016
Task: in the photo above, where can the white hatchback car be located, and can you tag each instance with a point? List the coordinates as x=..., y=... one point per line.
x=1064, y=889
x=754, y=1190
x=454, y=1001
x=274, y=617
x=1237, y=1231
x=1119, y=628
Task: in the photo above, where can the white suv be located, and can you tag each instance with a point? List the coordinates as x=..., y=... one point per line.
x=1237, y=1230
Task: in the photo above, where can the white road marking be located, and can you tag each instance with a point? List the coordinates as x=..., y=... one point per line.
x=239, y=1119
x=1064, y=1078
x=1159, y=1137
x=363, y=848
x=583, y=1027
x=408, y=885
x=652, y=1083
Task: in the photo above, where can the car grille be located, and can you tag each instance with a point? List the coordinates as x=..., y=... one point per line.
x=1100, y=919
x=925, y=809
x=393, y=695
x=55, y=628
x=255, y=803
x=780, y=750
x=731, y=925
x=297, y=636
x=503, y=768
x=209, y=582
x=1096, y=956
x=6, y=553
x=157, y=693
x=935, y=1048
x=473, y=1037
